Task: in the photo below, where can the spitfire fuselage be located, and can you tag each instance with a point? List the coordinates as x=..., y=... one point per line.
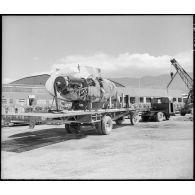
x=73, y=87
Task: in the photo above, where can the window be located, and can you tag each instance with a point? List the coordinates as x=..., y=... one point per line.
x=132, y=100
x=148, y=100
x=174, y=99
x=179, y=99
x=126, y=99
x=31, y=101
x=141, y=100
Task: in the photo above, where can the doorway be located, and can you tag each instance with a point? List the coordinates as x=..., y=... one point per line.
x=31, y=100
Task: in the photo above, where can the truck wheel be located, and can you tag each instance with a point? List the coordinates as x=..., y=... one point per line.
x=159, y=116
x=120, y=121
x=106, y=125
x=134, y=119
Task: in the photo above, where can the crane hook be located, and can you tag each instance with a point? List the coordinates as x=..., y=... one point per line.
x=171, y=73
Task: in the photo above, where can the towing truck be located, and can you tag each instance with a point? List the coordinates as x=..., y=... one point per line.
x=161, y=109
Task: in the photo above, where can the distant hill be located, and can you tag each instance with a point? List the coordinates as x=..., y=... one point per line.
x=158, y=82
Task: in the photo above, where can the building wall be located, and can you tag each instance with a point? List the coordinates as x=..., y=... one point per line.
x=147, y=93
x=18, y=96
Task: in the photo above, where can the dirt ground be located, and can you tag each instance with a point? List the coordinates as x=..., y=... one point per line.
x=146, y=151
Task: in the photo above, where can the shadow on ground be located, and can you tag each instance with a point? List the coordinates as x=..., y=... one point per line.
x=115, y=126
x=22, y=142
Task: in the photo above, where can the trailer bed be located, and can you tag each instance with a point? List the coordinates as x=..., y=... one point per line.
x=65, y=117
x=66, y=113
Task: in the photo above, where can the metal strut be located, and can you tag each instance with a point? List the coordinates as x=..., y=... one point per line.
x=56, y=99
x=183, y=74
x=171, y=80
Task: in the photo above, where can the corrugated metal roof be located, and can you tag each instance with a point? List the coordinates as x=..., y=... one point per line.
x=33, y=80
x=41, y=80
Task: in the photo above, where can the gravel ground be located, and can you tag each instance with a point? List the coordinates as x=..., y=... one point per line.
x=146, y=151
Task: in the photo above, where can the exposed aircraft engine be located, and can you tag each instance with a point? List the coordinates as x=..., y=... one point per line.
x=76, y=87
x=71, y=88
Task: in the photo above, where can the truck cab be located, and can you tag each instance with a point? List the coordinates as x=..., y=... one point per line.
x=161, y=108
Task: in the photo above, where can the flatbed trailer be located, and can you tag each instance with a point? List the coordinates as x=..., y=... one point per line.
x=101, y=119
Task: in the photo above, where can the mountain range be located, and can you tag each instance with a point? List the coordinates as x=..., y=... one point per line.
x=155, y=82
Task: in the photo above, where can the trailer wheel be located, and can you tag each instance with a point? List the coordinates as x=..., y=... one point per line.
x=134, y=119
x=120, y=121
x=106, y=125
x=159, y=116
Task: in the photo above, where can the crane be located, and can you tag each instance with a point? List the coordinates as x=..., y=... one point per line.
x=189, y=83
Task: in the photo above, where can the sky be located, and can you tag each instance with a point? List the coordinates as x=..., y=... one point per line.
x=122, y=46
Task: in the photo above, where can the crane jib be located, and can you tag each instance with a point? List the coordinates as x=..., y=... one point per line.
x=183, y=74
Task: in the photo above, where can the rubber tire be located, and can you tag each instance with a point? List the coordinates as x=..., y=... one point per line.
x=119, y=121
x=134, y=119
x=160, y=116
x=106, y=125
